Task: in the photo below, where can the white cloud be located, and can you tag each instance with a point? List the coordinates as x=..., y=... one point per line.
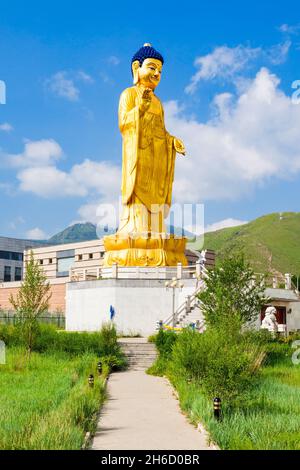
x=36, y=234
x=16, y=222
x=106, y=78
x=85, y=178
x=102, y=212
x=64, y=83
x=113, y=60
x=37, y=153
x=289, y=29
x=223, y=62
x=63, y=86
x=253, y=138
x=277, y=54
x=226, y=223
x=85, y=77
x=6, y=127
x=228, y=62
x=39, y=174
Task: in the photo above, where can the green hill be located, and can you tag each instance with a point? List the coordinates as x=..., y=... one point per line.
x=271, y=243
x=75, y=233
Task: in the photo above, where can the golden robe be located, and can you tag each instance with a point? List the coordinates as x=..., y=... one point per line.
x=148, y=163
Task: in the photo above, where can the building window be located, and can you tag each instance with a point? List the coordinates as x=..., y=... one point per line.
x=7, y=274
x=18, y=273
x=65, y=260
x=102, y=254
x=79, y=257
x=91, y=255
x=11, y=255
x=50, y=261
x=41, y=261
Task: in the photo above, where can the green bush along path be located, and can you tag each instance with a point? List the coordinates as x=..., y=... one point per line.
x=262, y=415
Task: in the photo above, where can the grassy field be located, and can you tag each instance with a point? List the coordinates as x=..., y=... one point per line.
x=269, y=419
x=47, y=403
x=270, y=243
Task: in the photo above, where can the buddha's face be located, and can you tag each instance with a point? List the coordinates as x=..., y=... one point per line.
x=150, y=72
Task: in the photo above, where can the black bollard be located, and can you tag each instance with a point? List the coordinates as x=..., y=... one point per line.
x=91, y=380
x=217, y=408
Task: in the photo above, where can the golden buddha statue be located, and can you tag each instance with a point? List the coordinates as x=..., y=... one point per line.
x=149, y=153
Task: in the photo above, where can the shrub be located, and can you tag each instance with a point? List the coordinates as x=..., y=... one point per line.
x=223, y=364
x=48, y=339
x=31, y=301
x=230, y=291
x=165, y=341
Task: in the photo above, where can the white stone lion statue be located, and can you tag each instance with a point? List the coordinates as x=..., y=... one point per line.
x=269, y=322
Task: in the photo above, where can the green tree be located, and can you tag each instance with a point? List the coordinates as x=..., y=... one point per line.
x=31, y=301
x=232, y=296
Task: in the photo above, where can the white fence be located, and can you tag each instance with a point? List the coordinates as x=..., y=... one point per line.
x=137, y=272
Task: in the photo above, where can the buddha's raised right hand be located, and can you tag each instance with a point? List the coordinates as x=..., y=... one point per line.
x=146, y=100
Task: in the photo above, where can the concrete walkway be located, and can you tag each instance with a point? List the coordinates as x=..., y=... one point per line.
x=142, y=413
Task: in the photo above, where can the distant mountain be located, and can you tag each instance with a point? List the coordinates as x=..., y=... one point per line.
x=76, y=233
x=88, y=231
x=271, y=243
x=181, y=232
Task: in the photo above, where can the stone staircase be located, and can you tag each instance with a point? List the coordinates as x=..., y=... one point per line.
x=140, y=354
x=189, y=312
x=192, y=316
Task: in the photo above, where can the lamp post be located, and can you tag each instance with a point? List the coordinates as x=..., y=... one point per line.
x=91, y=380
x=174, y=284
x=217, y=408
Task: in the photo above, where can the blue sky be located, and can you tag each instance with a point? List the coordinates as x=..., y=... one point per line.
x=227, y=91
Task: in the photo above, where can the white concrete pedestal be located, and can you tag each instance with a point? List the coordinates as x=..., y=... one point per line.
x=138, y=303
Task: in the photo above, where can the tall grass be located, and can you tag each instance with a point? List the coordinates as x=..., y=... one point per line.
x=48, y=339
x=266, y=418
x=47, y=403
x=269, y=419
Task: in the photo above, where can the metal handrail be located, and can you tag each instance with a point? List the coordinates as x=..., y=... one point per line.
x=183, y=307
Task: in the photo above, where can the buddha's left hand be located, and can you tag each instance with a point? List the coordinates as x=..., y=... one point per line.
x=179, y=146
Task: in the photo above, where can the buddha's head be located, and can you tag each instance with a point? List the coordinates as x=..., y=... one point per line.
x=147, y=66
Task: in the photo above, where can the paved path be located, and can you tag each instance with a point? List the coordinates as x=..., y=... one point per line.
x=142, y=413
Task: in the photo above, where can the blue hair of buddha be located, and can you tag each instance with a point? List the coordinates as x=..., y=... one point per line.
x=147, y=52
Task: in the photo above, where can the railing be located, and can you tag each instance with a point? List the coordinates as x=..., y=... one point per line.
x=136, y=272
x=10, y=318
x=276, y=281
x=188, y=305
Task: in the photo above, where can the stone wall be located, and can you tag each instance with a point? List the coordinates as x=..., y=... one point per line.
x=138, y=304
